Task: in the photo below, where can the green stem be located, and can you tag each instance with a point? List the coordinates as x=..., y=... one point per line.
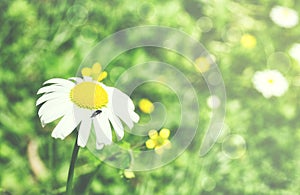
x=71, y=168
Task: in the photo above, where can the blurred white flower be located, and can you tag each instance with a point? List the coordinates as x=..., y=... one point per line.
x=270, y=83
x=284, y=16
x=295, y=52
x=213, y=102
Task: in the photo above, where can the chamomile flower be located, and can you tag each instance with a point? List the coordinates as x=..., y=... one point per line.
x=295, y=52
x=158, y=140
x=270, y=83
x=86, y=102
x=284, y=16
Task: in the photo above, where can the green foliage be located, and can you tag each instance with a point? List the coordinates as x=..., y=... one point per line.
x=50, y=38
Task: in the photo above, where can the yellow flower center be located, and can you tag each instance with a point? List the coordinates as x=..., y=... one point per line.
x=89, y=95
x=271, y=81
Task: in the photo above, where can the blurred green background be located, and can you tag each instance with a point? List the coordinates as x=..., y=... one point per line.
x=258, y=150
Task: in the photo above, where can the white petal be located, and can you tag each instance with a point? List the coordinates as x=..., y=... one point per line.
x=117, y=125
x=82, y=113
x=84, y=131
x=53, y=88
x=99, y=146
x=117, y=95
x=67, y=124
x=124, y=116
x=76, y=79
x=134, y=116
x=62, y=82
x=87, y=78
x=52, y=104
x=121, y=105
x=56, y=112
x=102, y=130
x=49, y=96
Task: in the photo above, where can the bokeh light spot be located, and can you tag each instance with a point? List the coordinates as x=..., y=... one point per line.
x=234, y=146
x=213, y=101
x=205, y=24
x=233, y=34
x=208, y=184
x=77, y=15
x=214, y=78
x=202, y=64
x=248, y=41
x=279, y=61
x=146, y=10
x=89, y=33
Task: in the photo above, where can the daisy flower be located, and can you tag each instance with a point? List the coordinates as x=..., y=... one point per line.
x=295, y=52
x=158, y=141
x=284, y=17
x=86, y=102
x=270, y=83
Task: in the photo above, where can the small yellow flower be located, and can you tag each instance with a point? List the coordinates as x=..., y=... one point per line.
x=94, y=72
x=248, y=41
x=202, y=64
x=164, y=133
x=158, y=140
x=146, y=106
x=128, y=174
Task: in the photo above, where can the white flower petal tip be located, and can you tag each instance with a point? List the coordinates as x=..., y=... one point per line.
x=134, y=117
x=53, y=88
x=117, y=125
x=102, y=129
x=57, y=136
x=76, y=79
x=66, y=125
x=99, y=146
x=43, y=123
x=120, y=138
x=59, y=81
x=81, y=142
x=50, y=96
x=84, y=131
x=270, y=83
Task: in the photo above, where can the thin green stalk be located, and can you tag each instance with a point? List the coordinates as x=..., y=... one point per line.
x=51, y=165
x=71, y=168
